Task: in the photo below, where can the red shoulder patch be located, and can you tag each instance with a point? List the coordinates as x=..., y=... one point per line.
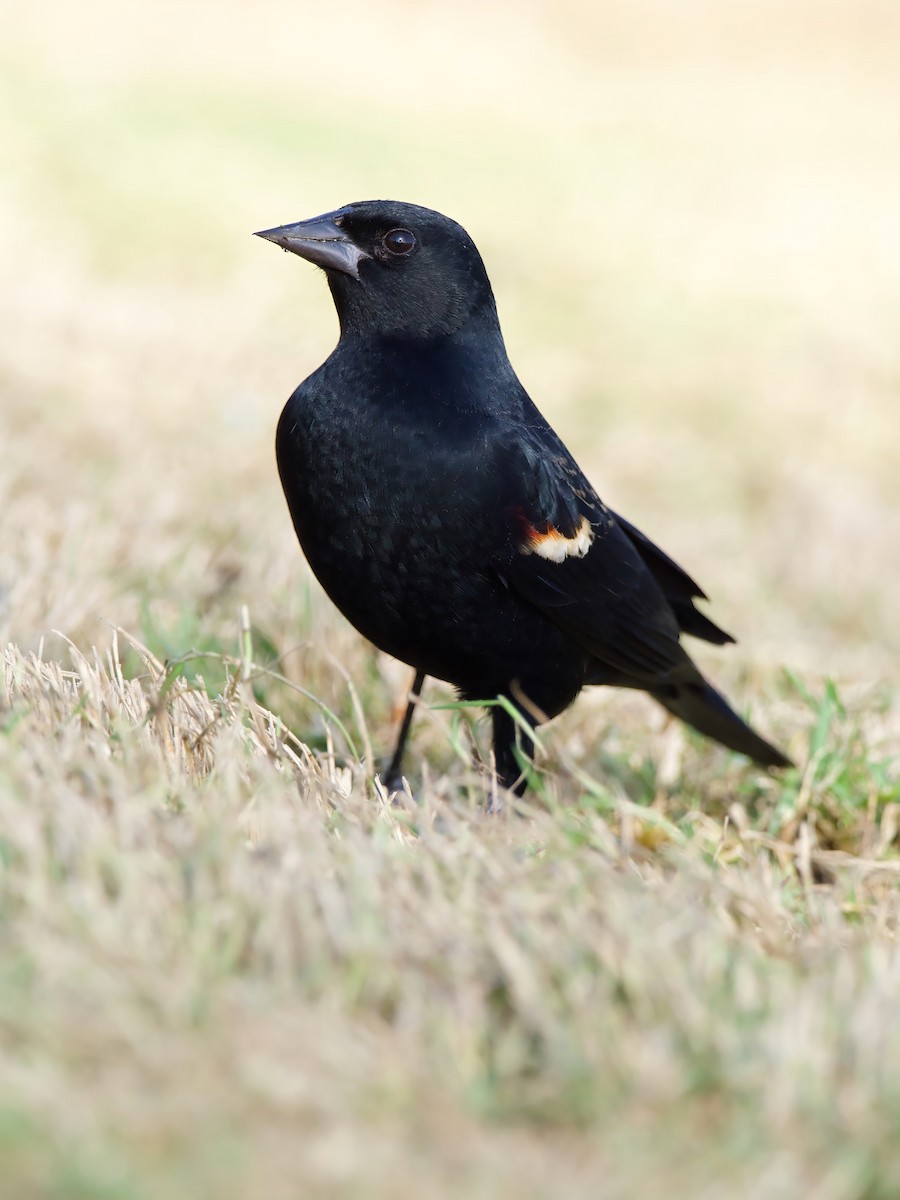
x=553, y=545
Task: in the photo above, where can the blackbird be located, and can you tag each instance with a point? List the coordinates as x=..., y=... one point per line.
x=444, y=516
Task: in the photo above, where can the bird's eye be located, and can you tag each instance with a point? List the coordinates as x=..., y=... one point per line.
x=400, y=241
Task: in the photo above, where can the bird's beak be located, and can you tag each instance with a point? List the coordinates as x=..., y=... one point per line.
x=321, y=241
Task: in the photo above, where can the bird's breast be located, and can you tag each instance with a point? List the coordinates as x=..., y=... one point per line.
x=382, y=503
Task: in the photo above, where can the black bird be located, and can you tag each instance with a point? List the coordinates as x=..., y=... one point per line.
x=446, y=519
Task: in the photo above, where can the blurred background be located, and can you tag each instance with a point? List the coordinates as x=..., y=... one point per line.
x=690, y=214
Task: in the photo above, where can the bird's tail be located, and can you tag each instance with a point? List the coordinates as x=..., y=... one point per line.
x=701, y=706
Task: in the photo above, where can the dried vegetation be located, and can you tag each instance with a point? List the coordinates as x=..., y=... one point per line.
x=228, y=965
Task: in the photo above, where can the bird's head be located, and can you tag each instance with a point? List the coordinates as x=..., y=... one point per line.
x=395, y=270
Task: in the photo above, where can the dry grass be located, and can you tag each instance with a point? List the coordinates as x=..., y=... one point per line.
x=228, y=966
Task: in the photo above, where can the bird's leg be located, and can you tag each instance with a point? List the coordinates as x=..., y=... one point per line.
x=393, y=778
x=507, y=736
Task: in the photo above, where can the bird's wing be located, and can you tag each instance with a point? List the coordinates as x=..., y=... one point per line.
x=677, y=587
x=571, y=557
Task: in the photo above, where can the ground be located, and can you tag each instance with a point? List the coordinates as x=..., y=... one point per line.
x=230, y=966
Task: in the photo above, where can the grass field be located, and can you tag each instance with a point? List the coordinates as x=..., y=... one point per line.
x=228, y=966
